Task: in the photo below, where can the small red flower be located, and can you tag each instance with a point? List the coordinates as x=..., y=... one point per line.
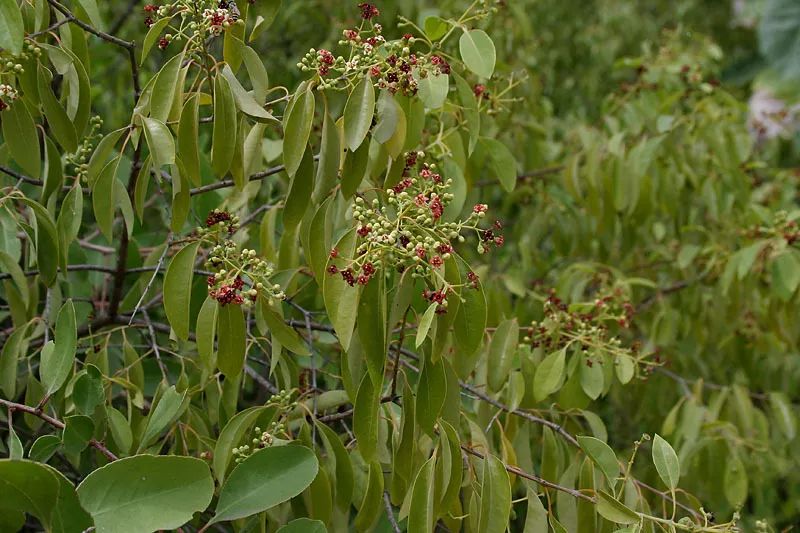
x=332, y=269
x=363, y=231
x=375, y=71
x=480, y=208
x=363, y=280
x=368, y=269
x=479, y=89
x=150, y=8
x=420, y=251
x=436, y=261
x=368, y=11
x=499, y=240
x=334, y=253
x=163, y=43
x=437, y=209
x=148, y=22
x=351, y=35
x=444, y=248
x=407, y=37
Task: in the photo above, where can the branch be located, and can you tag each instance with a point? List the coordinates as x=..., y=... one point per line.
x=525, y=176
x=56, y=423
x=390, y=513
x=229, y=183
x=91, y=29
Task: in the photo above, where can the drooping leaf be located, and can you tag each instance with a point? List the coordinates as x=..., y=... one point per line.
x=297, y=129
x=666, y=461
x=231, y=340
x=11, y=27
x=177, y=289
x=358, y=113
x=56, y=366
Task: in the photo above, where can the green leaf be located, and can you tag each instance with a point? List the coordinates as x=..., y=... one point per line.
x=372, y=503
x=164, y=88
x=47, y=249
x=188, y=134
x=501, y=162
x=56, y=367
x=120, y=429
x=477, y=51
x=162, y=415
x=785, y=270
x=425, y=324
x=358, y=113
x=304, y=525
x=90, y=7
x=536, y=517
x=43, y=448
x=152, y=36
x=10, y=266
x=9, y=359
x=666, y=461
x=146, y=493
x=330, y=153
x=78, y=432
x=19, y=133
x=11, y=27
x=231, y=340
x=470, y=321
x=431, y=394
x=501, y=353
x=159, y=141
x=365, y=418
x=223, y=138
x=344, y=466
x=15, y=449
x=433, y=89
x=103, y=201
x=602, y=455
x=101, y=154
x=246, y=103
x=549, y=375
x=341, y=300
x=230, y=436
x=300, y=188
x=297, y=129
x=87, y=392
x=265, y=479
x=495, y=496
x=60, y=125
x=372, y=328
x=735, y=481
x=421, y=511
x=615, y=511
x=782, y=414
x=435, y=28
x=178, y=289
x=280, y=330
x=777, y=37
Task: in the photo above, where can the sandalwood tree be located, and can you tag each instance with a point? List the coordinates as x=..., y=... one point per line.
x=313, y=266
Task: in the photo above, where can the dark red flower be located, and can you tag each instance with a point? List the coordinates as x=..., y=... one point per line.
x=363, y=231
x=368, y=11
x=163, y=43
x=150, y=8
x=479, y=89
x=332, y=269
x=436, y=261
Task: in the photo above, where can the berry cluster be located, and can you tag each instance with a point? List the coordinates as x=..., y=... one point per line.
x=227, y=285
x=7, y=95
x=407, y=230
x=277, y=428
x=390, y=64
x=80, y=159
x=585, y=326
x=782, y=228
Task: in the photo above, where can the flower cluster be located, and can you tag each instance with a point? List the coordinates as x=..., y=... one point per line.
x=277, y=428
x=232, y=267
x=408, y=230
x=194, y=21
x=218, y=19
x=391, y=65
x=585, y=326
x=7, y=95
x=80, y=159
x=782, y=228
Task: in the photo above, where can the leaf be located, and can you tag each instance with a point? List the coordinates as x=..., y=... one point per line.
x=120, y=429
x=477, y=51
x=78, y=432
x=783, y=415
x=146, y=493
x=231, y=340
x=188, y=135
x=785, y=271
x=43, y=448
x=87, y=392
x=495, y=496
x=372, y=503
x=330, y=153
x=55, y=368
x=103, y=202
x=358, y=113
x=425, y=324
x=421, y=511
x=152, y=36
x=592, y=376
x=245, y=101
x=300, y=188
x=47, y=249
x=624, y=367
x=365, y=418
x=230, y=436
x=431, y=394
x=19, y=133
x=10, y=266
x=9, y=358
x=164, y=88
x=777, y=36
x=11, y=27
x=501, y=353
x=611, y=509
x=372, y=329
x=15, y=449
x=435, y=28
x=470, y=321
x=341, y=300
x=304, y=525
x=297, y=129
x=223, y=138
x=159, y=141
x=178, y=289
x=162, y=415
x=265, y=479
x=549, y=375
x=60, y=125
x=502, y=163
x=90, y=7
x=433, y=89
x=666, y=461
x=280, y=330
x=536, y=517
x=602, y=455
x=735, y=481
x=344, y=467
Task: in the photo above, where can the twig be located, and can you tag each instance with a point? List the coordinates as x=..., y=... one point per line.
x=91, y=29
x=261, y=380
x=152, y=278
x=390, y=513
x=56, y=423
x=526, y=175
x=154, y=345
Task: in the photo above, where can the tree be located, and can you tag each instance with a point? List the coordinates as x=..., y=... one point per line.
x=408, y=283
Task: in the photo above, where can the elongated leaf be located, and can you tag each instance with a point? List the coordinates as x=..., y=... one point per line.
x=162, y=415
x=470, y=321
x=11, y=28
x=152, y=36
x=433, y=89
x=358, y=113
x=19, y=133
x=265, y=479
x=502, y=163
x=146, y=493
x=60, y=125
x=420, y=515
x=278, y=328
x=188, y=132
x=177, y=289
x=231, y=435
x=477, y=51
x=299, y=196
x=495, y=496
x=372, y=503
x=223, y=141
x=666, y=461
x=231, y=331
x=56, y=368
x=365, y=418
x=425, y=324
x=164, y=88
x=48, y=255
x=304, y=525
x=297, y=128
x=159, y=140
x=549, y=375
x=602, y=455
x=615, y=511
x=246, y=103
x=501, y=353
